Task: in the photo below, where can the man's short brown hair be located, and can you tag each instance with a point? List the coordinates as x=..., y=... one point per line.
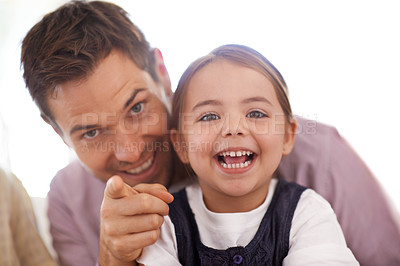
x=69, y=43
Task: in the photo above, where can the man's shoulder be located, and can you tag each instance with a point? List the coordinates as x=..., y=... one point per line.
x=71, y=173
x=309, y=162
x=313, y=132
x=74, y=178
x=315, y=141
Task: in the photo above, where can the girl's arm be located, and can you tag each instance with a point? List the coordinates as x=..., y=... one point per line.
x=316, y=237
x=164, y=251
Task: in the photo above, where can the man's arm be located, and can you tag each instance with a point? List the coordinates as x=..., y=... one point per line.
x=68, y=239
x=130, y=220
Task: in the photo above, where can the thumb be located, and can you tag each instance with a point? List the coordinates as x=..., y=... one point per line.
x=116, y=188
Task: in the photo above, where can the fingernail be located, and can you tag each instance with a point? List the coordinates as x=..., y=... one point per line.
x=110, y=183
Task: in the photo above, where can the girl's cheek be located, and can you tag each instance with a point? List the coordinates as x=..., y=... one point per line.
x=198, y=143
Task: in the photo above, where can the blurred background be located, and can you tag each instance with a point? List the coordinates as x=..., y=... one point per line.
x=340, y=59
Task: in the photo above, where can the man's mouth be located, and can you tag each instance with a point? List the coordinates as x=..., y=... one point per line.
x=146, y=165
x=235, y=159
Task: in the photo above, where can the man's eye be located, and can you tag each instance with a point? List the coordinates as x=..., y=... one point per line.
x=209, y=117
x=137, y=108
x=91, y=134
x=256, y=114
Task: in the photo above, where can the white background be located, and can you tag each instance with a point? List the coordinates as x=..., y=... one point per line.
x=340, y=59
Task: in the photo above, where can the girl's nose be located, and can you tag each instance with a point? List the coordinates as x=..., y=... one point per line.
x=234, y=125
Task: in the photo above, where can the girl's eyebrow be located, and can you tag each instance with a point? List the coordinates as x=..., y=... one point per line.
x=206, y=102
x=256, y=99
x=216, y=102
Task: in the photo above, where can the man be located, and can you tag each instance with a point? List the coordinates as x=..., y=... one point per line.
x=102, y=88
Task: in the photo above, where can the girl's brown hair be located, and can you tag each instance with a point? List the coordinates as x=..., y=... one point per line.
x=237, y=54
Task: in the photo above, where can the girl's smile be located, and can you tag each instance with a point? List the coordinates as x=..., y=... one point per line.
x=235, y=161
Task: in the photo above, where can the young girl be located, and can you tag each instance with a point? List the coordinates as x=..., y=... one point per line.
x=232, y=123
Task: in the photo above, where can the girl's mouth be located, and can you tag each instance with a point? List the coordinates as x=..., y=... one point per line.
x=235, y=159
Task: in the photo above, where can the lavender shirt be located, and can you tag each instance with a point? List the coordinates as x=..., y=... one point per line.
x=321, y=160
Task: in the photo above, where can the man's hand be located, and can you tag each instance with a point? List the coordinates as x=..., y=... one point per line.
x=130, y=220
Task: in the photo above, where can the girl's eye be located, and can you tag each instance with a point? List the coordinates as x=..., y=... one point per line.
x=209, y=117
x=256, y=114
x=137, y=108
x=91, y=134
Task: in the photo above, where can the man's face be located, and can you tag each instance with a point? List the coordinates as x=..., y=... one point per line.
x=115, y=123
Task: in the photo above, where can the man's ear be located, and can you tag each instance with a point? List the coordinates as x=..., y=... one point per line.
x=290, y=136
x=54, y=125
x=162, y=72
x=179, y=146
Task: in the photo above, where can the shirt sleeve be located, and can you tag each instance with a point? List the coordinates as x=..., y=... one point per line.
x=164, y=251
x=68, y=240
x=316, y=237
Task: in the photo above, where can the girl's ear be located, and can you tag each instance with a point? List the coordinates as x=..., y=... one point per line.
x=179, y=146
x=290, y=135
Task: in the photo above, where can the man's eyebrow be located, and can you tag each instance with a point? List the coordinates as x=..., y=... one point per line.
x=81, y=127
x=132, y=98
x=126, y=105
x=256, y=99
x=206, y=102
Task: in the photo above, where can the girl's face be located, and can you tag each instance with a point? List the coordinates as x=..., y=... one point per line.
x=235, y=133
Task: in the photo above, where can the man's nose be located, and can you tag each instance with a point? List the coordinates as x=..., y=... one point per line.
x=128, y=147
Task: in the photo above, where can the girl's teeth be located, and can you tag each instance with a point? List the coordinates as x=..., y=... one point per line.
x=235, y=154
x=236, y=165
